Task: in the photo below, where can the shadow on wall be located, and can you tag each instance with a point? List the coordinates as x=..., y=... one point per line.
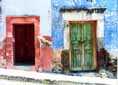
x=104, y=61
x=64, y=60
x=103, y=58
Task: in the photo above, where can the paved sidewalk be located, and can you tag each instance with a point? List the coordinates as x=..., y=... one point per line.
x=55, y=77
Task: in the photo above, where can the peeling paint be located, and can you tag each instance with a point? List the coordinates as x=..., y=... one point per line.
x=111, y=17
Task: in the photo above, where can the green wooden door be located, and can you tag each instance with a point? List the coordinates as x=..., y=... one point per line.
x=81, y=47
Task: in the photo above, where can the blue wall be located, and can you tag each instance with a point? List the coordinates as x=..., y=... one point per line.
x=111, y=20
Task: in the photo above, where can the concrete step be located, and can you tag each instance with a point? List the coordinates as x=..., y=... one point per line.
x=25, y=68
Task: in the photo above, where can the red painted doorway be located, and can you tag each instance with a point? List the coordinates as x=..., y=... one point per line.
x=32, y=22
x=24, y=53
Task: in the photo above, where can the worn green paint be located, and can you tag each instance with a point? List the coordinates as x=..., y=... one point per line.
x=81, y=37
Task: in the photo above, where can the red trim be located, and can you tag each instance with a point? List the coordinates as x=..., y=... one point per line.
x=10, y=20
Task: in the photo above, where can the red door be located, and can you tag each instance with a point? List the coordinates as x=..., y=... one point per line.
x=24, y=44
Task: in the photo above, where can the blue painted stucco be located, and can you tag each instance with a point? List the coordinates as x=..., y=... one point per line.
x=110, y=18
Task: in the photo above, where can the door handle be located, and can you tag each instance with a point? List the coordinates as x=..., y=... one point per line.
x=81, y=41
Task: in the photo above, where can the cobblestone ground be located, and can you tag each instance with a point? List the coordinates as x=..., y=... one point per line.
x=16, y=82
x=6, y=80
x=18, y=77
x=13, y=82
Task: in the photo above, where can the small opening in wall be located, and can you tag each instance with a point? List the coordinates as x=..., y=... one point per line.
x=0, y=10
x=91, y=0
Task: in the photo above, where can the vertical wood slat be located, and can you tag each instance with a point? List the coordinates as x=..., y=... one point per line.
x=82, y=46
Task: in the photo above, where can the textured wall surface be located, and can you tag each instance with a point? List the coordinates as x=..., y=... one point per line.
x=110, y=18
x=40, y=8
x=23, y=8
x=46, y=55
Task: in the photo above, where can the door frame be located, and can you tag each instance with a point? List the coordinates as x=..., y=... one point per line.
x=10, y=20
x=94, y=23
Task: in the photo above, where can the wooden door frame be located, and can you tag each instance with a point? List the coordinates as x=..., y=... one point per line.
x=10, y=20
x=94, y=23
